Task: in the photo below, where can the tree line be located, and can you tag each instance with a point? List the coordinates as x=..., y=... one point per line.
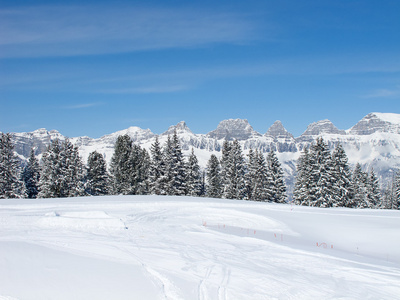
x=134, y=171
x=323, y=179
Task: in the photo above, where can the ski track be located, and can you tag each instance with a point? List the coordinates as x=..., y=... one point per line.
x=192, y=248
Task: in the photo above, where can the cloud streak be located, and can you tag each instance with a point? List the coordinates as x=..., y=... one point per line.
x=84, y=105
x=82, y=30
x=383, y=93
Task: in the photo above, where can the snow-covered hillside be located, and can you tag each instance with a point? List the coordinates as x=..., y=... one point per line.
x=155, y=247
x=374, y=141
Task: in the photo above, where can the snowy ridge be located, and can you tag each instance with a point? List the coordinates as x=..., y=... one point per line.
x=374, y=141
x=158, y=247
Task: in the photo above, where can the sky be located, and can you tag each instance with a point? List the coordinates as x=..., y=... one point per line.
x=90, y=68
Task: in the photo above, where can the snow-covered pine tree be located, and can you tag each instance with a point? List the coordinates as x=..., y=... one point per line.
x=321, y=180
x=50, y=183
x=359, y=188
x=193, y=176
x=10, y=184
x=73, y=170
x=373, y=193
x=224, y=163
x=157, y=170
x=301, y=191
x=139, y=162
x=120, y=168
x=235, y=186
x=260, y=178
x=175, y=167
x=62, y=171
x=214, y=181
x=342, y=178
x=276, y=188
x=250, y=174
x=97, y=178
x=31, y=175
x=396, y=202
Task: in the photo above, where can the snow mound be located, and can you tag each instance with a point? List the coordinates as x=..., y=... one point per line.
x=81, y=220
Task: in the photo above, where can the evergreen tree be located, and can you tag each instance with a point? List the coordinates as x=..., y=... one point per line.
x=321, y=176
x=97, y=179
x=31, y=176
x=193, y=176
x=62, y=171
x=250, y=175
x=73, y=170
x=301, y=191
x=175, y=167
x=157, y=170
x=226, y=150
x=342, y=178
x=359, y=188
x=214, y=180
x=260, y=180
x=396, y=188
x=373, y=193
x=276, y=189
x=10, y=184
x=235, y=187
x=121, y=170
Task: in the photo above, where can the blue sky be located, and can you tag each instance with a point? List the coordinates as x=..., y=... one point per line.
x=95, y=67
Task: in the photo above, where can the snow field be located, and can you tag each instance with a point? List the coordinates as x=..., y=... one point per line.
x=155, y=247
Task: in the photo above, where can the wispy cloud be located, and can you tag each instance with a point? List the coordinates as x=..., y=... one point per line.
x=82, y=30
x=383, y=93
x=146, y=90
x=83, y=105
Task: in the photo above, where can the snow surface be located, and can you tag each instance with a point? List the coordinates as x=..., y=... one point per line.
x=388, y=117
x=160, y=247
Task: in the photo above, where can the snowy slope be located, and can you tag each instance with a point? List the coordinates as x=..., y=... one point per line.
x=154, y=247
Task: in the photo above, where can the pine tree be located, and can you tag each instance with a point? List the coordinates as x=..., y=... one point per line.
x=193, y=176
x=73, y=170
x=396, y=188
x=342, y=178
x=157, y=170
x=175, y=167
x=97, y=179
x=235, y=186
x=214, y=180
x=62, y=172
x=250, y=175
x=359, y=188
x=321, y=176
x=301, y=191
x=260, y=178
x=224, y=163
x=10, y=184
x=120, y=167
x=31, y=176
x=373, y=193
x=276, y=189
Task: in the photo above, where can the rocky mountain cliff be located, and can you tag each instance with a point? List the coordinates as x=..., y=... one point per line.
x=374, y=141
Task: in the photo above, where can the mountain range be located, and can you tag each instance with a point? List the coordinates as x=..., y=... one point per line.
x=374, y=142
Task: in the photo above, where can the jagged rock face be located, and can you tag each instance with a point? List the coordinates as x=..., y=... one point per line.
x=377, y=122
x=278, y=131
x=180, y=128
x=38, y=139
x=233, y=129
x=321, y=128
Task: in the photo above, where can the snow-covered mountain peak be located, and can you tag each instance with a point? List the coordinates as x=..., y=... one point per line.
x=321, y=128
x=231, y=129
x=180, y=128
x=278, y=131
x=377, y=122
x=134, y=132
